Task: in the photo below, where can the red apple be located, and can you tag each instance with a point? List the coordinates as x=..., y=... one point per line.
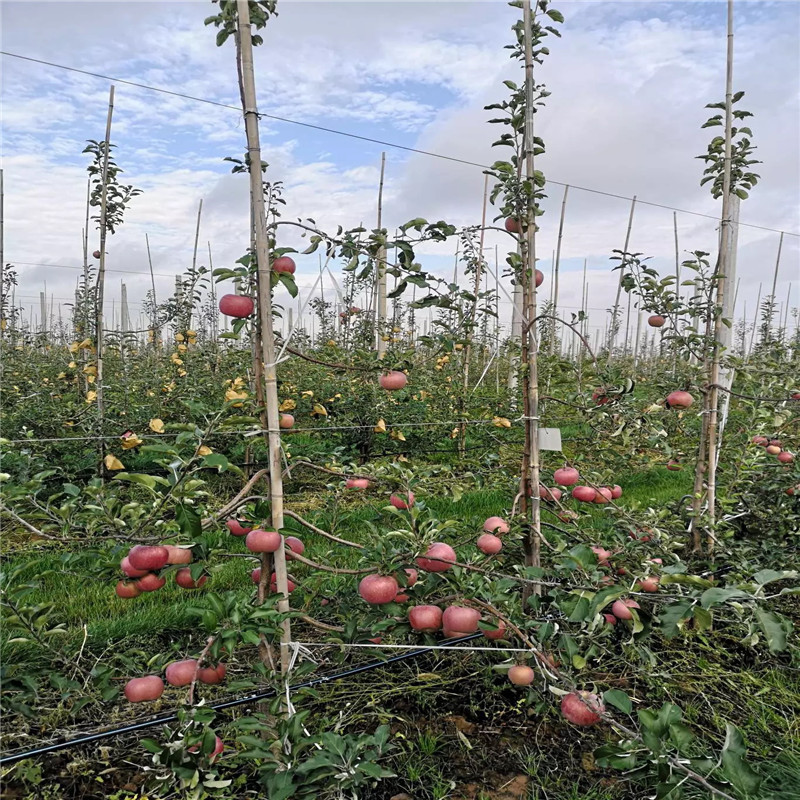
x=286, y=421
x=96, y=254
x=585, y=494
x=181, y=673
x=602, y=554
x=762, y=440
x=610, y=619
x=402, y=501
x=539, y=278
x=621, y=609
x=582, y=708
x=648, y=584
x=126, y=590
x=655, y=321
x=566, y=476
x=549, y=494
x=776, y=442
x=148, y=557
x=495, y=525
x=773, y=449
x=511, y=225
x=439, y=557
x=219, y=746
x=356, y=483
x=211, y=675
x=378, y=589
x=616, y=492
x=521, y=675
x=273, y=584
x=674, y=466
x=785, y=457
x=498, y=633
x=461, y=618
x=392, y=381
x=150, y=582
x=567, y=516
x=679, y=399
x=259, y=541
x=602, y=495
x=284, y=264
x=600, y=397
x=183, y=577
x=141, y=690
x=237, y=528
x=236, y=305
x=489, y=544
x=426, y=619
x=178, y=555
x=125, y=566
x=295, y=545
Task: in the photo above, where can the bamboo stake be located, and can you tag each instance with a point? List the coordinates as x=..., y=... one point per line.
x=213, y=291
x=101, y=278
x=380, y=328
x=627, y=327
x=786, y=315
x=2, y=254
x=755, y=321
x=725, y=257
x=556, y=268
x=775, y=284
x=194, y=257
x=612, y=331
x=677, y=282
x=636, y=343
x=86, y=270
x=250, y=112
x=530, y=479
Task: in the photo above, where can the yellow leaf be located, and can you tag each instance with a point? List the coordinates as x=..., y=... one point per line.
x=308, y=393
x=402, y=458
x=62, y=375
x=176, y=359
x=3, y=324
x=90, y=369
x=319, y=410
x=454, y=433
x=71, y=365
x=501, y=422
x=157, y=425
x=204, y=451
x=112, y=462
x=86, y=344
x=398, y=436
x=232, y=394
x=91, y=378
x=182, y=348
x=91, y=397
x=131, y=441
x=182, y=373
x=380, y=427
x=191, y=334
x=73, y=348
x=288, y=405
x=178, y=337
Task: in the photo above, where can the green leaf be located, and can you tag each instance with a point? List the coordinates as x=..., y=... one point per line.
x=189, y=521
x=702, y=618
x=149, y=481
x=671, y=615
x=681, y=736
x=618, y=699
x=556, y=16
x=734, y=766
x=714, y=597
x=766, y=576
x=773, y=628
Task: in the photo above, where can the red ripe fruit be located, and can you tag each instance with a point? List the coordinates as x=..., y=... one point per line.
x=600, y=397
x=521, y=675
x=392, y=381
x=259, y=541
x=582, y=708
x=178, y=555
x=273, y=584
x=461, y=618
x=284, y=264
x=498, y=633
x=180, y=673
x=621, y=609
x=126, y=590
x=649, y=584
x=378, y=589
x=219, y=746
x=130, y=572
x=402, y=502
x=237, y=528
x=602, y=554
x=356, y=483
x=679, y=399
x=426, y=619
x=602, y=495
x=96, y=254
x=549, y=494
x=236, y=305
x=439, y=557
x=610, y=619
x=183, y=577
x=655, y=321
x=211, y=675
x=286, y=421
x=539, y=278
x=674, y=466
x=616, y=492
x=762, y=440
x=142, y=690
x=495, y=525
x=511, y=225
x=773, y=449
x=566, y=476
x=785, y=457
x=585, y=494
x=148, y=557
x=150, y=582
x=295, y=546
x=489, y=544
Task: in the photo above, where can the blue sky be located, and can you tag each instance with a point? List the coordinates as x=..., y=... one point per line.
x=629, y=83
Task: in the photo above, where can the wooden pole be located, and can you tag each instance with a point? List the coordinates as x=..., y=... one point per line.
x=101, y=279
x=194, y=257
x=556, y=268
x=677, y=283
x=531, y=544
x=267, y=354
x=773, y=293
x=725, y=256
x=2, y=251
x=785, y=325
x=612, y=330
x=755, y=321
x=380, y=328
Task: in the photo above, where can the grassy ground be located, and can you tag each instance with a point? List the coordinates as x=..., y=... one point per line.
x=461, y=732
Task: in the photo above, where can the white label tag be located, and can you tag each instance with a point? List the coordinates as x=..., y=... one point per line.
x=550, y=439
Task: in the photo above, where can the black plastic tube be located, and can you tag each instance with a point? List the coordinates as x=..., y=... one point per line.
x=12, y=758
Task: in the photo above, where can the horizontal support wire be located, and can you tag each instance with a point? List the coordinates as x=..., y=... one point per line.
x=394, y=145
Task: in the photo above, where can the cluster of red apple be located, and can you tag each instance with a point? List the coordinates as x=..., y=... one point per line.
x=775, y=448
x=242, y=305
x=569, y=476
x=143, y=563
x=264, y=541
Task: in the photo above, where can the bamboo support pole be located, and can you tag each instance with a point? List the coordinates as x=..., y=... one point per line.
x=267, y=354
x=380, y=327
x=612, y=329
x=556, y=268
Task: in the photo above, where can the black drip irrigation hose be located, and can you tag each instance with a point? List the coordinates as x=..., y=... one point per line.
x=12, y=758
